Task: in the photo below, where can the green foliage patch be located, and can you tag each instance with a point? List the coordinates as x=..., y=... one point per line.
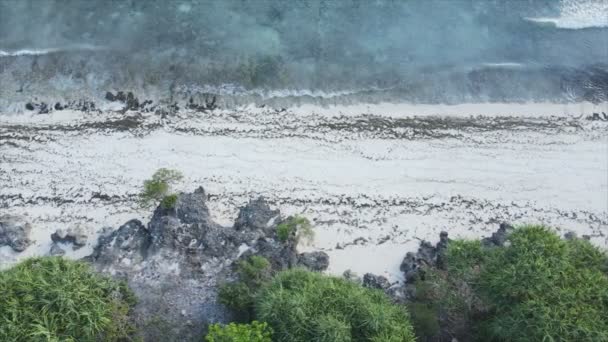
x=54, y=299
x=240, y=296
x=543, y=288
x=537, y=287
x=157, y=189
x=306, y=306
x=233, y=332
x=295, y=228
x=169, y=201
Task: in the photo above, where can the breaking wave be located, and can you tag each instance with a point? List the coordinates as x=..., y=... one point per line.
x=578, y=14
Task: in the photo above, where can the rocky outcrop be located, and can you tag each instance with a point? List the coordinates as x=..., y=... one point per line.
x=375, y=281
x=451, y=325
x=128, y=245
x=175, y=263
x=56, y=250
x=14, y=232
x=257, y=215
x=413, y=264
x=314, y=261
x=74, y=235
x=499, y=237
x=46, y=108
x=441, y=249
x=281, y=255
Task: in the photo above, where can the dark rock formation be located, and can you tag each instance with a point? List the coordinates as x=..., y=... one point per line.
x=41, y=108
x=441, y=249
x=597, y=117
x=46, y=108
x=314, y=261
x=75, y=236
x=434, y=258
x=352, y=276
x=175, y=263
x=128, y=243
x=131, y=102
x=210, y=103
x=375, y=281
x=110, y=97
x=56, y=250
x=256, y=215
x=413, y=264
x=281, y=255
x=409, y=266
x=14, y=232
x=499, y=237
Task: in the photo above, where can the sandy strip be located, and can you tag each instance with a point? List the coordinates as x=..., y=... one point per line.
x=372, y=195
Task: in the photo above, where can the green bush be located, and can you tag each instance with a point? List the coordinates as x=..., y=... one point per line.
x=158, y=187
x=542, y=288
x=425, y=318
x=54, y=299
x=463, y=256
x=253, y=332
x=297, y=228
x=255, y=270
x=169, y=201
x=442, y=304
x=306, y=306
x=239, y=296
x=537, y=287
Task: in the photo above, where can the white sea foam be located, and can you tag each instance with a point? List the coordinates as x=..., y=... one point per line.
x=232, y=89
x=46, y=51
x=578, y=14
x=530, y=109
x=505, y=65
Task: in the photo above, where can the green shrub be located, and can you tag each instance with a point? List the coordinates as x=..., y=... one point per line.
x=169, y=201
x=585, y=255
x=158, y=187
x=255, y=270
x=239, y=296
x=543, y=288
x=425, y=318
x=442, y=303
x=463, y=255
x=54, y=299
x=254, y=332
x=296, y=227
x=306, y=306
x=537, y=287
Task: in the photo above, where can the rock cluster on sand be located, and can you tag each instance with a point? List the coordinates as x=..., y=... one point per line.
x=175, y=263
x=74, y=235
x=14, y=232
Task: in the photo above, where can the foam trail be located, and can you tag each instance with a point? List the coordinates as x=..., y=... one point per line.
x=232, y=89
x=506, y=65
x=39, y=52
x=578, y=14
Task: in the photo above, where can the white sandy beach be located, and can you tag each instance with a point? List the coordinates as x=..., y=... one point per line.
x=373, y=192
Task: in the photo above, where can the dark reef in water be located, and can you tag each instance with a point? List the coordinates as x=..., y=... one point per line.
x=280, y=53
